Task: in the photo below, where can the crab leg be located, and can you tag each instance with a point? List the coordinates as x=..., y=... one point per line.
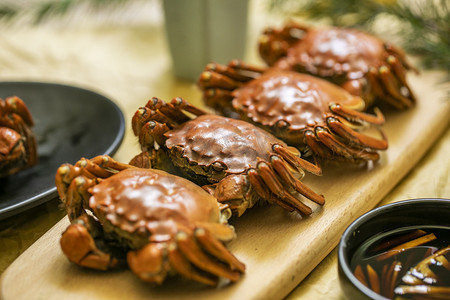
x=217, y=249
x=357, y=116
x=220, y=100
x=171, y=113
x=297, y=161
x=263, y=191
x=279, y=166
x=316, y=146
x=218, y=95
x=77, y=197
x=31, y=147
x=87, y=167
x=63, y=179
x=145, y=114
x=183, y=266
x=140, y=117
x=386, y=77
x=323, y=144
x=378, y=89
x=156, y=110
x=180, y=104
x=355, y=137
x=257, y=182
x=218, y=82
x=243, y=67
x=188, y=247
x=211, y=79
x=16, y=105
x=274, y=43
x=229, y=71
x=398, y=65
x=102, y=166
x=399, y=54
x=151, y=132
x=167, y=111
x=78, y=244
x=106, y=161
x=275, y=186
x=329, y=141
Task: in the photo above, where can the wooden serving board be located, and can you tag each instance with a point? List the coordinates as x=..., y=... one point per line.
x=278, y=248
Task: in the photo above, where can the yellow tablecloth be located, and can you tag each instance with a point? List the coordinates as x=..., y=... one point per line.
x=124, y=55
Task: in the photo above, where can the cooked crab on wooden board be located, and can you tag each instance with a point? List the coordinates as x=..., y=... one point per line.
x=278, y=248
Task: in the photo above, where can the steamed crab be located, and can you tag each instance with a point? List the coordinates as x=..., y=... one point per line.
x=17, y=141
x=319, y=118
x=159, y=223
x=237, y=162
x=361, y=63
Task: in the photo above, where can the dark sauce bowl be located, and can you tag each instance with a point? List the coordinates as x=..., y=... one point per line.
x=408, y=213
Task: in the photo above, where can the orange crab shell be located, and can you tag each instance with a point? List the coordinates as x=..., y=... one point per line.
x=235, y=144
x=290, y=99
x=153, y=201
x=361, y=63
x=331, y=52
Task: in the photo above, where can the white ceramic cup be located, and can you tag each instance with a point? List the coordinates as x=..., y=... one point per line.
x=203, y=31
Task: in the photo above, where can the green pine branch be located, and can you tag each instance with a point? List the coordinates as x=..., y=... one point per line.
x=427, y=33
x=336, y=12
x=40, y=11
x=426, y=30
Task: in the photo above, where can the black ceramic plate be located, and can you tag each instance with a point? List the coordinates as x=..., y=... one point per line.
x=70, y=123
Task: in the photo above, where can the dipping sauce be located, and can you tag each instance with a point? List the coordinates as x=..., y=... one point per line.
x=406, y=263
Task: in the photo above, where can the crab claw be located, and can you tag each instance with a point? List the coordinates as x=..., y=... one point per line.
x=234, y=191
x=148, y=263
x=79, y=246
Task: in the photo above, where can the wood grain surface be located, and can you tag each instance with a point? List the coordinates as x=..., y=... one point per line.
x=278, y=248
